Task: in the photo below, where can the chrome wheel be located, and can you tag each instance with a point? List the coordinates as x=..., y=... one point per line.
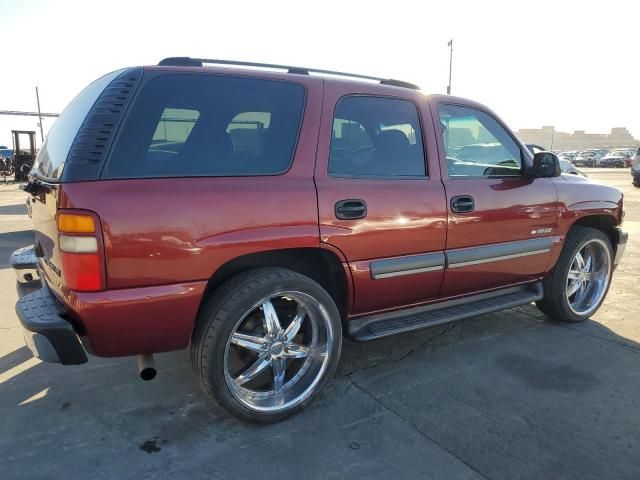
x=278, y=352
x=588, y=277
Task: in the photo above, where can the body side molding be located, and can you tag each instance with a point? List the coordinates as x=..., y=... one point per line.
x=411, y=264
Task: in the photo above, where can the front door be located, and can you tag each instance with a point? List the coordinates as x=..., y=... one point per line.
x=500, y=222
x=378, y=202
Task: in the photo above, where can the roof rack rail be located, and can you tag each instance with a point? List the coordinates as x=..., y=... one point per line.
x=199, y=62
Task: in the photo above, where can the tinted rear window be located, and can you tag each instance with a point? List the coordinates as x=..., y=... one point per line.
x=53, y=154
x=208, y=125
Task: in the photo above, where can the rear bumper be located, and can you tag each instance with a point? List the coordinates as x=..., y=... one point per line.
x=49, y=336
x=112, y=323
x=25, y=264
x=622, y=238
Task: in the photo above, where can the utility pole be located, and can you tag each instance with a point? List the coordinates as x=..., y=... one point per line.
x=39, y=116
x=450, y=45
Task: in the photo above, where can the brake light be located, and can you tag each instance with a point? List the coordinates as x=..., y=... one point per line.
x=80, y=252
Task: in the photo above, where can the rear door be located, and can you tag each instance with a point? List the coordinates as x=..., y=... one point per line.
x=500, y=222
x=380, y=202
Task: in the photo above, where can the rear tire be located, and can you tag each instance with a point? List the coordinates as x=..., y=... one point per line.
x=580, y=280
x=266, y=343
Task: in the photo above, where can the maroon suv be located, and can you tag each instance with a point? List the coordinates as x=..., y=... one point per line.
x=258, y=216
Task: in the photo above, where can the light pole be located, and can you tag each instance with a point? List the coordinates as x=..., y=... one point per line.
x=450, y=45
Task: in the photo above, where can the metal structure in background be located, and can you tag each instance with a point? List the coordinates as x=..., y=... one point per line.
x=28, y=114
x=23, y=159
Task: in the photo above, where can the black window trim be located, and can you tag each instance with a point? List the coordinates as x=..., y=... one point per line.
x=525, y=159
x=374, y=176
x=149, y=75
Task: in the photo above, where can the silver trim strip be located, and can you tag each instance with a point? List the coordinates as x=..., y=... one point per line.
x=407, y=272
x=497, y=259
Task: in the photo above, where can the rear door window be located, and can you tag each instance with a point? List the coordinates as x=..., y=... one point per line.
x=209, y=125
x=376, y=137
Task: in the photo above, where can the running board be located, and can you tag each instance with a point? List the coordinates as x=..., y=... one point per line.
x=386, y=324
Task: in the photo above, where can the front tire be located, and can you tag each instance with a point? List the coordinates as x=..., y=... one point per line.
x=265, y=344
x=579, y=282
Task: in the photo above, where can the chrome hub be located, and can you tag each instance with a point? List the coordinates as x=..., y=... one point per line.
x=276, y=349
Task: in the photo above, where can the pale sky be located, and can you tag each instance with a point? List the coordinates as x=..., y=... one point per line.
x=572, y=64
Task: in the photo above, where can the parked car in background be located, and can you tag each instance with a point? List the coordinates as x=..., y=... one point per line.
x=5, y=152
x=587, y=158
x=256, y=217
x=567, y=155
x=568, y=167
x=635, y=168
x=614, y=159
x=626, y=153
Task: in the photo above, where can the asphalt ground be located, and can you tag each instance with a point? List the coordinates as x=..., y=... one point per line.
x=501, y=396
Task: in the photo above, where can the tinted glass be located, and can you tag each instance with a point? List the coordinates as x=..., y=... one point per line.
x=53, y=154
x=477, y=145
x=376, y=137
x=206, y=125
x=247, y=131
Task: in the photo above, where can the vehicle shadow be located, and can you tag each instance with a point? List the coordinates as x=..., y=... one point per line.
x=10, y=241
x=504, y=393
x=17, y=209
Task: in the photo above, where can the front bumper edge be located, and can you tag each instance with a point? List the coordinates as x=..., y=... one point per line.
x=622, y=238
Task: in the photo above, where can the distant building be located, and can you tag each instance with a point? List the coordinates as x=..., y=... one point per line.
x=548, y=137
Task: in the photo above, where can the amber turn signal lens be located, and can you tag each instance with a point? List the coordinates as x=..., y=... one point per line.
x=75, y=223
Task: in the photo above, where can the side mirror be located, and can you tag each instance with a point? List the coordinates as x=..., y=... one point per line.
x=545, y=165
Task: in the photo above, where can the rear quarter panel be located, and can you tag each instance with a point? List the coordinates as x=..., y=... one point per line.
x=162, y=231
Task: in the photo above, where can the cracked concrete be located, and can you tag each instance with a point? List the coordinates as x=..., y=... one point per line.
x=508, y=395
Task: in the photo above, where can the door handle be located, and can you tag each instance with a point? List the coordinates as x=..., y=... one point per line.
x=351, y=209
x=462, y=204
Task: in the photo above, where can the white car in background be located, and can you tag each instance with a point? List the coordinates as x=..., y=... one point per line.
x=568, y=167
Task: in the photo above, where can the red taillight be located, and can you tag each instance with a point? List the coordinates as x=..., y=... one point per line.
x=82, y=271
x=80, y=251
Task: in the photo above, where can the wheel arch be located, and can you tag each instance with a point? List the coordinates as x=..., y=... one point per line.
x=604, y=222
x=320, y=264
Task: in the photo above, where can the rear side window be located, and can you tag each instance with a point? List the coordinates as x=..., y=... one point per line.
x=206, y=125
x=376, y=137
x=53, y=154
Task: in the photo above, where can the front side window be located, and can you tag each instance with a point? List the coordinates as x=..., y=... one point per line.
x=376, y=137
x=477, y=145
x=209, y=125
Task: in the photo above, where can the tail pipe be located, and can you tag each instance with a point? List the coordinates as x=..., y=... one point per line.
x=146, y=367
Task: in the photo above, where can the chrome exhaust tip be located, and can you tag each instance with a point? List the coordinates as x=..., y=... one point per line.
x=146, y=367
